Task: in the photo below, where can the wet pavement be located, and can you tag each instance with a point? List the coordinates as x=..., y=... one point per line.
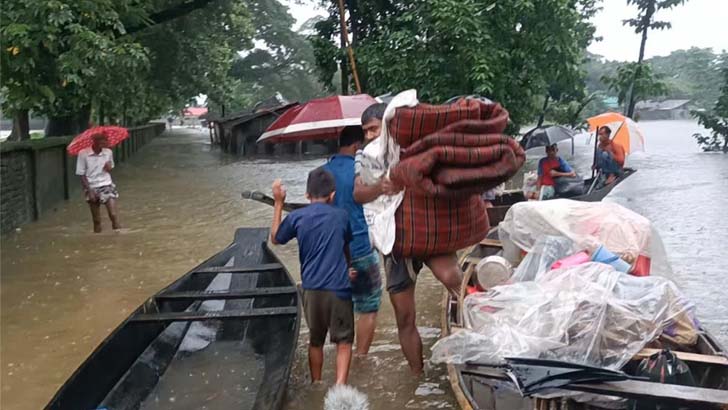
x=64, y=289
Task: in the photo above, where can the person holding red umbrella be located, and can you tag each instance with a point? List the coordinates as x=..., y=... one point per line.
x=94, y=166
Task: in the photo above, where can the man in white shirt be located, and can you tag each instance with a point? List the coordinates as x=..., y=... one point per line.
x=94, y=165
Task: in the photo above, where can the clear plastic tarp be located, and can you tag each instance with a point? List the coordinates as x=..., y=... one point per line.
x=587, y=224
x=588, y=314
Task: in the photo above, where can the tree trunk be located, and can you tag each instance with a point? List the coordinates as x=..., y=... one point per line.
x=543, y=111
x=101, y=114
x=352, y=6
x=21, y=126
x=343, y=66
x=646, y=21
x=72, y=124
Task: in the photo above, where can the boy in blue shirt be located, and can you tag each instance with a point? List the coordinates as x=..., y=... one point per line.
x=323, y=234
x=367, y=285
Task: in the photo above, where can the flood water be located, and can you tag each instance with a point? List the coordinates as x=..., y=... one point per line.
x=64, y=289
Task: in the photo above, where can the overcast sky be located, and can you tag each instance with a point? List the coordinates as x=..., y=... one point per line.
x=700, y=23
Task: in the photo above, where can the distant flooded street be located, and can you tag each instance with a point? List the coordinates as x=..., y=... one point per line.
x=64, y=289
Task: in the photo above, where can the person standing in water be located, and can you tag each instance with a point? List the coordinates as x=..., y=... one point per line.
x=94, y=166
x=401, y=273
x=324, y=234
x=367, y=286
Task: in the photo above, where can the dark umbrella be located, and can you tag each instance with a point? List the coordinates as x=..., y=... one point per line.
x=545, y=136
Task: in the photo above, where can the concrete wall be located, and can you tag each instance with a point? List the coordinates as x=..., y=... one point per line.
x=37, y=175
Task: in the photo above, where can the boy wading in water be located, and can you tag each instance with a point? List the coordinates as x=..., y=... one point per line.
x=323, y=235
x=94, y=166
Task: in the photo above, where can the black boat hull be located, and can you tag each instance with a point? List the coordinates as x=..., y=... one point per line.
x=502, y=203
x=222, y=336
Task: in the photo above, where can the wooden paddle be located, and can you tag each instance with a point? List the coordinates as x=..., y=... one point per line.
x=268, y=200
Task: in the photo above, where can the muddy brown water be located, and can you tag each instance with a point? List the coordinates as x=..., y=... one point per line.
x=63, y=289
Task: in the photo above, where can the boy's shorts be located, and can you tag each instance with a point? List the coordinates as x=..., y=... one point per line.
x=327, y=313
x=401, y=272
x=367, y=287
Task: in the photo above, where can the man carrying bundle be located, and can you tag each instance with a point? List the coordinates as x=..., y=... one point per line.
x=401, y=273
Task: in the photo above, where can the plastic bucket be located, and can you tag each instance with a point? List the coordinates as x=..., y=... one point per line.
x=572, y=260
x=603, y=255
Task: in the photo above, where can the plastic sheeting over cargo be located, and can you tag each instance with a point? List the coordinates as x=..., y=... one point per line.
x=587, y=224
x=588, y=314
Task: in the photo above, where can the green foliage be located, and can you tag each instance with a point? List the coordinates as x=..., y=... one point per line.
x=717, y=119
x=510, y=51
x=285, y=64
x=646, y=13
x=54, y=50
x=574, y=112
x=647, y=83
x=194, y=54
x=61, y=57
x=692, y=74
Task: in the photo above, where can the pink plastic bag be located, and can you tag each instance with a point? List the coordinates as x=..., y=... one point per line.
x=573, y=260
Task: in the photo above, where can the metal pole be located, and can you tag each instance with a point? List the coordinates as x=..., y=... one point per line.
x=594, y=161
x=350, y=51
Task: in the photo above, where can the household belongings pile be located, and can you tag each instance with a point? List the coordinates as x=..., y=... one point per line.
x=584, y=312
x=445, y=156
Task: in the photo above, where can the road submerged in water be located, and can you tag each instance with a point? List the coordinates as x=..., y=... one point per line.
x=64, y=288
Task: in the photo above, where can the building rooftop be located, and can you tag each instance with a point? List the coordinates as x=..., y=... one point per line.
x=665, y=105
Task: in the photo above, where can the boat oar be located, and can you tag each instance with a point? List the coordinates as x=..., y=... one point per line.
x=594, y=182
x=268, y=200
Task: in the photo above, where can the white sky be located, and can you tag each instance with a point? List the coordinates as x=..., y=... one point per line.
x=700, y=23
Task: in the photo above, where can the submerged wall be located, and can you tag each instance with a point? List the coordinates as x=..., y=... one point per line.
x=37, y=175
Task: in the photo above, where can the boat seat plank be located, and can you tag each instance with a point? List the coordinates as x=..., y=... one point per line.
x=493, y=243
x=225, y=294
x=655, y=391
x=218, y=315
x=243, y=269
x=688, y=357
x=626, y=388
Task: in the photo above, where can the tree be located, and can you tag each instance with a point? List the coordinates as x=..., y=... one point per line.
x=716, y=119
x=635, y=80
x=692, y=74
x=572, y=113
x=508, y=51
x=125, y=60
x=52, y=48
x=644, y=22
x=566, y=86
x=284, y=63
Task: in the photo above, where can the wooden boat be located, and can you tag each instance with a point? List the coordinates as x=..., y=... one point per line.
x=592, y=194
x=487, y=388
x=500, y=205
x=223, y=336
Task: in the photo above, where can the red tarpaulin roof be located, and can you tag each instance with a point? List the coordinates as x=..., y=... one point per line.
x=194, y=111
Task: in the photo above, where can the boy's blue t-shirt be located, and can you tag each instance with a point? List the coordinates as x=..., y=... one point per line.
x=342, y=168
x=322, y=232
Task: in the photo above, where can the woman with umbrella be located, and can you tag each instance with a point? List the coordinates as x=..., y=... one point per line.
x=93, y=166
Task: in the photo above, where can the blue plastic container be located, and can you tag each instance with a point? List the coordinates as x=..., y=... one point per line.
x=603, y=255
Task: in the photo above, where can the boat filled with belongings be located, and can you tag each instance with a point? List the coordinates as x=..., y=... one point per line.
x=567, y=305
x=222, y=336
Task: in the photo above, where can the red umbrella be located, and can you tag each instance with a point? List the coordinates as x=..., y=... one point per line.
x=318, y=119
x=114, y=135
